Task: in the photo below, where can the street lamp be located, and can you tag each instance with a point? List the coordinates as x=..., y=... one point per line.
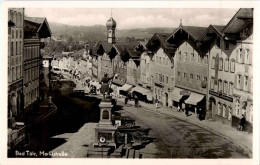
x=102, y=142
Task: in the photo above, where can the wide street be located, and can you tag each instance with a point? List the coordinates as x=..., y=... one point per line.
x=179, y=139
x=72, y=130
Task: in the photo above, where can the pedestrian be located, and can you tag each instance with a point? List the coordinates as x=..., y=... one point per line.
x=187, y=111
x=136, y=101
x=242, y=122
x=156, y=103
x=126, y=100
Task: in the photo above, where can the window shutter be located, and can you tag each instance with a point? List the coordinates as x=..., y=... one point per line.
x=242, y=83
x=235, y=83
x=243, y=55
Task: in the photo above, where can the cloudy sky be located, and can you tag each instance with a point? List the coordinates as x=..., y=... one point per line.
x=134, y=18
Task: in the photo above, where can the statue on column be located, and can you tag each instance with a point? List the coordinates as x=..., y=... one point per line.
x=105, y=89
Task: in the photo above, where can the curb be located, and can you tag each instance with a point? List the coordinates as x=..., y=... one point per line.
x=249, y=151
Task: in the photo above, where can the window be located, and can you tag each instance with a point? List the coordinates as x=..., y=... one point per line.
x=191, y=76
x=225, y=89
x=224, y=114
x=246, y=83
x=199, y=59
x=226, y=64
x=179, y=56
x=192, y=57
x=178, y=75
x=240, y=55
x=205, y=79
x=219, y=109
x=213, y=62
x=212, y=83
x=160, y=60
x=237, y=108
x=166, y=79
x=185, y=56
x=163, y=62
x=221, y=64
x=218, y=42
x=226, y=45
x=206, y=59
x=220, y=86
x=229, y=113
x=198, y=77
x=232, y=65
x=156, y=59
x=184, y=75
x=162, y=78
x=16, y=48
x=247, y=56
x=238, y=81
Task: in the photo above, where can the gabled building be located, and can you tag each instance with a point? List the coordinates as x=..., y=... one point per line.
x=35, y=29
x=133, y=67
x=221, y=74
x=162, y=67
x=190, y=67
x=239, y=30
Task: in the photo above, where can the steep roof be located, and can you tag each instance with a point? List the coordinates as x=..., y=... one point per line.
x=40, y=25
x=123, y=46
x=107, y=46
x=240, y=20
x=194, y=31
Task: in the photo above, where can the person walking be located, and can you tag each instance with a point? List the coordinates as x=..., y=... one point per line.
x=126, y=100
x=136, y=101
x=156, y=103
x=187, y=111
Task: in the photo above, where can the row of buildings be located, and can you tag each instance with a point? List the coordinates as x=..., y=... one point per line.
x=199, y=68
x=24, y=67
x=24, y=59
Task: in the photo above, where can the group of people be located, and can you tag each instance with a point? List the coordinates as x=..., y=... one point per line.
x=136, y=100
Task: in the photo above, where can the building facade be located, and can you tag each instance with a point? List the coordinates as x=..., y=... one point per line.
x=162, y=71
x=15, y=60
x=35, y=29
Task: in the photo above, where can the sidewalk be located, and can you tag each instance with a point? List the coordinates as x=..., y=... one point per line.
x=243, y=139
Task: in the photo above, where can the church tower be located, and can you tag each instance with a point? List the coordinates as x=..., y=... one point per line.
x=111, y=27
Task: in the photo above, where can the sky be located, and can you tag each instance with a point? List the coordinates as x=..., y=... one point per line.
x=135, y=18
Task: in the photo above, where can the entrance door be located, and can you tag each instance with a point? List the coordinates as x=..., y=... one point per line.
x=166, y=99
x=211, y=109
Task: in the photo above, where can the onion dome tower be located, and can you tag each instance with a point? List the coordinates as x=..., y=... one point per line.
x=111, y=27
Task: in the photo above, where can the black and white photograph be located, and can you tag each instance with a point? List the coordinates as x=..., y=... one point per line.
x=130, y=83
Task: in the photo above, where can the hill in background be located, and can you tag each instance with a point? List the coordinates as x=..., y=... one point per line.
x=99, y=32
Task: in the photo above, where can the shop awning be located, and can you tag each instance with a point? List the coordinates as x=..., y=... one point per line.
x=175, y=95
x=118, y=82
x=125, y=87
x=194, y=98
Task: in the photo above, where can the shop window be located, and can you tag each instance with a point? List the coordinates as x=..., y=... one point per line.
x=219, y=109
x=224, y=111
x=229, y=113
x=237, y=108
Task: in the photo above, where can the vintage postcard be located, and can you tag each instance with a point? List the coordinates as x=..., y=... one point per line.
x=160, y=83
